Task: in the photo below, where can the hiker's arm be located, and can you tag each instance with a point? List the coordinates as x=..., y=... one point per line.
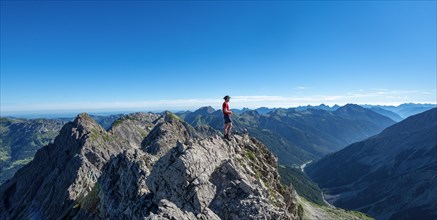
x=227, y=111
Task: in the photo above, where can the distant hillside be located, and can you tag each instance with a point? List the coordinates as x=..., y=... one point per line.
x=20, y=139
x=264, y=110
x=405, y=110
x=409, y=109
x=389, y=176
x=303, y=185
x=387, y=113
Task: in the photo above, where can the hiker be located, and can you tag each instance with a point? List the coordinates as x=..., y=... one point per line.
x=227, y=116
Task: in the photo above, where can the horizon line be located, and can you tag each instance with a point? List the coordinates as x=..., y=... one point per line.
x=361, y=97
x=69, y=112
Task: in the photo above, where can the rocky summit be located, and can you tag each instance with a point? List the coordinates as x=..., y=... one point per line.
x=148, y=166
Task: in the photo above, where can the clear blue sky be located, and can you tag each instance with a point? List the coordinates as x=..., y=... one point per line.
x=103, y=55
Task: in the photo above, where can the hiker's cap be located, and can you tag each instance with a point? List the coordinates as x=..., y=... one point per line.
x=226, y=97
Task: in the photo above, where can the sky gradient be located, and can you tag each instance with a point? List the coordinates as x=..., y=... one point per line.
x=133, y=55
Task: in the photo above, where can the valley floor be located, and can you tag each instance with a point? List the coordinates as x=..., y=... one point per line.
x=313, y=211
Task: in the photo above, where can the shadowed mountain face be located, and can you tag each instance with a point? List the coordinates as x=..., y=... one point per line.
x=389, y=176
x=299, y=136
x=147, y=166
x=20, y=139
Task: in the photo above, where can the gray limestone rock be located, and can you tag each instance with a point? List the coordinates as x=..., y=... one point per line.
x=148, y=166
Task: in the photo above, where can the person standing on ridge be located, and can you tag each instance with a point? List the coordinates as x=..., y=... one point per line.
x=227, y=116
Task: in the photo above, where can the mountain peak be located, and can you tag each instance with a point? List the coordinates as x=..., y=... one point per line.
x=83, y=117
x=351, y=106
x=356, y=112
x=176, y=174
x=84, y=121
x=252, y=113
x=165, y=134
x=352, y=109
x=171, y=117
x=205, y=110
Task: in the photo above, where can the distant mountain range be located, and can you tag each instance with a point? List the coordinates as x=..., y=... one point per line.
x=405, y=110
x=396, y=113
x=322, y=107
x=392, y=175
x=265, y=110
x=298, y=136
x=387, y=113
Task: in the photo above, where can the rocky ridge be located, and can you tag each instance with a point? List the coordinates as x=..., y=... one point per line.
x=148, y=166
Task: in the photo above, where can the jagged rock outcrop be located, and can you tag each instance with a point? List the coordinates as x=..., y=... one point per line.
x=166, y=134
x=148, y=166
x=20, y=139
x=133, y=128
x=60, y=173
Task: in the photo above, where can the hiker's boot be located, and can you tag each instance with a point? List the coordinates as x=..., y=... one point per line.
x=228, y=137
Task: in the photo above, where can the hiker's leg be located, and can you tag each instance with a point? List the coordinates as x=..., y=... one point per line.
x=226, y=129
x=229, y=127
